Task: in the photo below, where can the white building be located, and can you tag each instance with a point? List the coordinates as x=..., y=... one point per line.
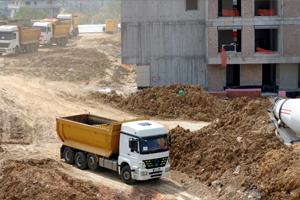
x=48, y=6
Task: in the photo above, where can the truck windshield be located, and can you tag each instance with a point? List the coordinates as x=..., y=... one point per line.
x=154, y=144
x=5, y=35
x=43, y=28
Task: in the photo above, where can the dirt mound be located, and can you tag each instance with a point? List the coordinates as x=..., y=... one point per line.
x=13, y=127
x=278, y=173
x=41, y=179
x=165, y=102
x=69, y=64
x=230, y=148
x=114, y=39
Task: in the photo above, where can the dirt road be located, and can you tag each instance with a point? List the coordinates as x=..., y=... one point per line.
x=37, y=88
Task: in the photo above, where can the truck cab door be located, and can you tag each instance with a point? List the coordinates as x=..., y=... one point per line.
x=15, y=39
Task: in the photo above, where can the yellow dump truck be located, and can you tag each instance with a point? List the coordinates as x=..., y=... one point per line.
x=72, y=20
x=137, y=149
x=53, y=31
x=109, y=26
x=14, y=39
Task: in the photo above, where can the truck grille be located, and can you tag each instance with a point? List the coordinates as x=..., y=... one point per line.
x=158, y=162
x=5, y=45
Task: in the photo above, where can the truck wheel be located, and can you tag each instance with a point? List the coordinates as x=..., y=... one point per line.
x=50, y=43
x=36, y=47
x=17, y=51
x=80, y=160
x=92, y=161
x=27, y=48
x=69, y=155
x=58, y=42
x=64, y=42
x=126, y=175
x=32, y=48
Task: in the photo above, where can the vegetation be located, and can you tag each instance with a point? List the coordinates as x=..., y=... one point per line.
x=95, y=10
x=30, y=13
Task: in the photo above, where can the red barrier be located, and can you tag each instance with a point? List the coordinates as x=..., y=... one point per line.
x=260, y=50
x=265, y=12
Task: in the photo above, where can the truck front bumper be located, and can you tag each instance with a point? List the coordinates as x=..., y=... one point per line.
x=146, y=174
x=7, y=50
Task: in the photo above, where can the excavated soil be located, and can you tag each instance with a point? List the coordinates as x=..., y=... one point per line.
x=42, y=179
x=236, y=150
x=193, y=104
x=68, y=64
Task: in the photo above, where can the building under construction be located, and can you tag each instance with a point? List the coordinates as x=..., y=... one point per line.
x=218, y=44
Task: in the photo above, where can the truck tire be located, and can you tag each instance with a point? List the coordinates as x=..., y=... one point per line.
x=27, y=48
x=17, y=51
x=36, y=47
x=32, y=47
x=58, y=42
x=126, y=175
x=50, y=43
x=63, y=42
x=92, y=161
x=69, y=155
x=80, y=160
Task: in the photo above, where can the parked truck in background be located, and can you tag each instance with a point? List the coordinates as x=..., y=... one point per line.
x=73, y=20
x=285, y=114
x=14, y=39
x=53, y=31
x=136, y=149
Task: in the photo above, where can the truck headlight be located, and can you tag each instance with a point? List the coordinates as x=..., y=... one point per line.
x=167, y=169
x=144, y=173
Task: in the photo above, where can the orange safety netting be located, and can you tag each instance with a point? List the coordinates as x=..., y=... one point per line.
x=230, y=13
x=223, y=57
x=266, y=12
x=260, y=50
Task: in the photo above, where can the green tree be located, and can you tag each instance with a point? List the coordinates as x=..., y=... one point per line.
x=30, y=13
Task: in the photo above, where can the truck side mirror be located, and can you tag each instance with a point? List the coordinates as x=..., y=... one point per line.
x=169, y=140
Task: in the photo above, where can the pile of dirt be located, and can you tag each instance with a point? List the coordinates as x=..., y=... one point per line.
x=114, y=39
x=42, y=179
x=166, y=102
x=13, y=127
x=68, y=64
x=230, y=148
x=278, y=174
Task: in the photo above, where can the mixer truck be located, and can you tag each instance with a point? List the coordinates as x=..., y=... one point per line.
x=14, y=39
x=137, y=149
x=285, y=114
x=70, y=19
x=53, y=31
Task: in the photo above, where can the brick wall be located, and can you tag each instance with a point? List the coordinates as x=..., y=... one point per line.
x=247, y=8
x=251, y=74
x=212, y=41
x=213, y=9
x=291, y=8
x=248, y=41
x=216, y=77
x=291, y=40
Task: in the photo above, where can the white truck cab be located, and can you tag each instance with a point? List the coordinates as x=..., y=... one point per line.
x=46, y=32
x=9, y=39
x=144, y=147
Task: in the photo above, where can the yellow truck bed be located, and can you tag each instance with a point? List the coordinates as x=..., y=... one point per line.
x=59, y=29
x=29, y=35
x=91, y=133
